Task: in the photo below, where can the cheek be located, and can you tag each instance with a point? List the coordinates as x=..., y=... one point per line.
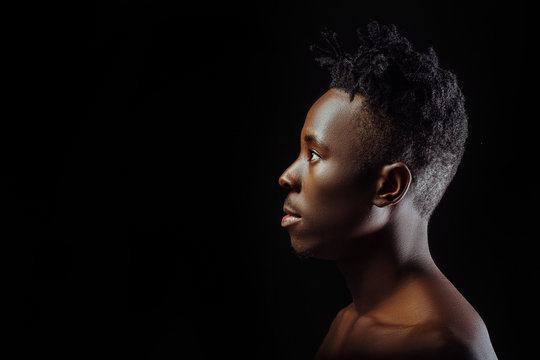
x=338, y=196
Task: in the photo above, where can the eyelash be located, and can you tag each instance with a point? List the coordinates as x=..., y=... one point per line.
x=311, y=153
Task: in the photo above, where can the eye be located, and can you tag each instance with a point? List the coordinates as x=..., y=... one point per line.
x=313, y=156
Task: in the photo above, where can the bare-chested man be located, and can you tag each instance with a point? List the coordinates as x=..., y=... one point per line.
x=378, y=150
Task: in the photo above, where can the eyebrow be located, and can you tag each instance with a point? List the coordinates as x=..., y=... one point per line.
x=315, y=140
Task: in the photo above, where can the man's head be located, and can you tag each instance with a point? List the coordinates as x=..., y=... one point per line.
x=392, y=123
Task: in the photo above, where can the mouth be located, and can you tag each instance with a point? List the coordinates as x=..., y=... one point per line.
x=291, y=217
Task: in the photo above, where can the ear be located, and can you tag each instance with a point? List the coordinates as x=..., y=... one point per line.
x=393, y=184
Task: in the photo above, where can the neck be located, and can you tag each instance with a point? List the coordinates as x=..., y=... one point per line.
x=389, y=257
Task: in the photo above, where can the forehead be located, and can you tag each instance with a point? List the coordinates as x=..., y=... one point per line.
x=333, y=117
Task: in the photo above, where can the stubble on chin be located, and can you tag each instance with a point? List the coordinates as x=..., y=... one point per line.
x=302, y=254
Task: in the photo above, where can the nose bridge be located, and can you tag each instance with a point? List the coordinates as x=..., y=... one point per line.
x=291, y=176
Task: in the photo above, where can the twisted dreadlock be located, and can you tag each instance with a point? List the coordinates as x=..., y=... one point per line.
x=416, y=105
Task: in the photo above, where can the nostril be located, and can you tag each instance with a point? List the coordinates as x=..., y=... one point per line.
x=289, y=178
x=284, y=183
x=289, y=185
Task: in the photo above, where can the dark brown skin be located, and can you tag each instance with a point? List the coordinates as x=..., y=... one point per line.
x=363, y=217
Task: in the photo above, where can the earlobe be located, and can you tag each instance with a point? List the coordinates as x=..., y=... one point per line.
x=393, y=184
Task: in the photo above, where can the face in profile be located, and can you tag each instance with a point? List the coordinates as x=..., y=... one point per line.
x=330, y=189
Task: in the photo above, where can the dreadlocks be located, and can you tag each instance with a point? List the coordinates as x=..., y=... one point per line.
x=417, y=107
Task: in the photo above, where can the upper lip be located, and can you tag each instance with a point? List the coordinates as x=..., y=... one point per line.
x=290, y=211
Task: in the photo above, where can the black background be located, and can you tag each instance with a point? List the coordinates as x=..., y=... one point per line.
x=141, y=164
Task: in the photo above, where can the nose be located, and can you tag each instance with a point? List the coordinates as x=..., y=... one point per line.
x=290, y=179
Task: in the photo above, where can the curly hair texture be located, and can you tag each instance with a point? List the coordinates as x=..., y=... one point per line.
x=415, y=110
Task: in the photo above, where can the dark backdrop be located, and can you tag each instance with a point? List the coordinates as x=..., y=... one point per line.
x=142, y=161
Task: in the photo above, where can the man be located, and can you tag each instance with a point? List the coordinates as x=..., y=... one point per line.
x=378, y=150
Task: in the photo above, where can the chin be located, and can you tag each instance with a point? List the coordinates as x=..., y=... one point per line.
x=301, y=248
x=312, y=249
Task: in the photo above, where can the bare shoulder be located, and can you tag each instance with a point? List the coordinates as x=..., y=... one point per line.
x=444, y=342
x=457, y=329
x=430, y=341
x=462, y=328
x=424, y=321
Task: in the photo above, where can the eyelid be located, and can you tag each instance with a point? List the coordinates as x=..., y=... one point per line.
x=311, y=152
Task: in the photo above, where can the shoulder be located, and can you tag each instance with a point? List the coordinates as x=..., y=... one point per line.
x=427, y=320
x=426, y=341
x=447, y=347
x=441, y=342
x=459, y=329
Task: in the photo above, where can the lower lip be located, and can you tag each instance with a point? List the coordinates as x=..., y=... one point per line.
x=289, y=220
